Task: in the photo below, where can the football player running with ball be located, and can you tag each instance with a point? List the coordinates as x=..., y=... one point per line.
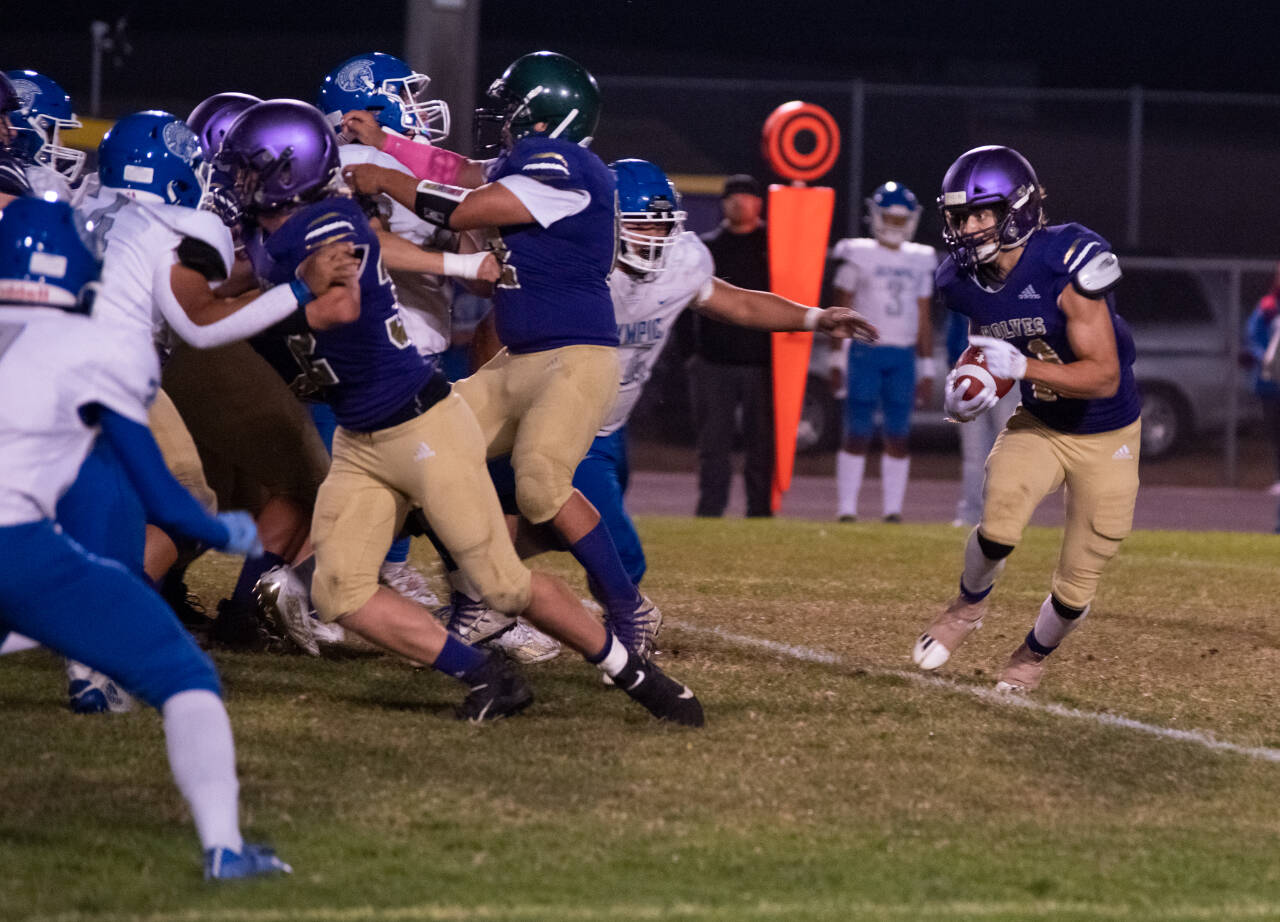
x=1039, y=306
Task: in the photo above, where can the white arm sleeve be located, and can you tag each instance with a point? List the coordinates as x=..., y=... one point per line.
x=263, y=311
x=546, y=203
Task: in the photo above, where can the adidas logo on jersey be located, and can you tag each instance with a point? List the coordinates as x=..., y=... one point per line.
x=1028, y=294
x=1122, y=454
x=424, y=452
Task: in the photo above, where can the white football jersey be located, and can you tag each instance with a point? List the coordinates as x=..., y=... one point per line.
x=425, y=300
x=140, y=241
x=44, y=180
x=51, y=365
x=886, y=284
x=645, y=308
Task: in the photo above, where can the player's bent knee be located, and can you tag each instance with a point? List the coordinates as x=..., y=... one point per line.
x=174, y=665
x=335, y=594
x=509, y=593
x=542, y=487
x=993, y=550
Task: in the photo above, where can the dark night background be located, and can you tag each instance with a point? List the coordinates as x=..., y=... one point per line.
x=1200, y=161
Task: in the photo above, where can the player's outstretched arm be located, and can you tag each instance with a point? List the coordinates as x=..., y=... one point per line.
x=491, y=205
x=763, y=310
x=166, y=501
x=401, y=255
x=426, y=161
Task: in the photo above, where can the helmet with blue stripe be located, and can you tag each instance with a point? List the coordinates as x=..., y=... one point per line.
x=894, y=214
x=650, y=215
x=390, y=89
x=45, y=257
x=153, y=157
x=44, y=111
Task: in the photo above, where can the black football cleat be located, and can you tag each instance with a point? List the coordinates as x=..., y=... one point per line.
x=497, y=691
x=661, y=695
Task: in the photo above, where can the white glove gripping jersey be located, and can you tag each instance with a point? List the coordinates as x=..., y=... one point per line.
x=425, y=300
x=51, y=365
x=646, y=308
x=886, y=284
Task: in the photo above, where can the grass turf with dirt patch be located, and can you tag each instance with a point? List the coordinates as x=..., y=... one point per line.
x=819, y=790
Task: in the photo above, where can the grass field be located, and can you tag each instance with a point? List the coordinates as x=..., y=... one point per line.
x=829, y=784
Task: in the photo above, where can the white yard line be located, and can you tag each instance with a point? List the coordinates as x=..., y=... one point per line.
x=989, y=695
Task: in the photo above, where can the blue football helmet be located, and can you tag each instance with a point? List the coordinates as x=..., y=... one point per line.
x=389, y=88
x=153, y=157
x=896, y=201
x=646, y=199
x=44, y=112
x=46, y=259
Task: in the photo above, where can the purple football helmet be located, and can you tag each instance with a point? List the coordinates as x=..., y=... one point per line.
x=995, y=178
x=278, y=153
x=211, y=119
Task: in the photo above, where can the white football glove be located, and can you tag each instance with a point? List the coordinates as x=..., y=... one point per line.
x=1003, y=360
x=962, y=410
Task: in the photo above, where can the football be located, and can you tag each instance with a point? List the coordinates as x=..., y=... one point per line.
x=971, y=372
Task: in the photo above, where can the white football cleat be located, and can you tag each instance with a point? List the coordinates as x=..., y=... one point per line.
x=1022, y=673
x=525, y=644
x=91, y=692
x=286, y=604
x=944, y=636
x=409, y=582
x=474, y=622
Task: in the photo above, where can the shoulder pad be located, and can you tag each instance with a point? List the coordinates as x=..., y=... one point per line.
x=697, y=257
x=1070, y=246
x=1097, y=275
x=921, y=250
x=842, y=249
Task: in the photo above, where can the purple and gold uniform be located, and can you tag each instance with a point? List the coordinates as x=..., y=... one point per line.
x=545, y=395
x=1091, y=445
x=403, y=438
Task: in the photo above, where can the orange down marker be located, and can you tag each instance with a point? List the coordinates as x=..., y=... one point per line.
x=801, y=142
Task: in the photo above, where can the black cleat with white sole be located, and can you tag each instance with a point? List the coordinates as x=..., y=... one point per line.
x=497, y=691
x=661, y=695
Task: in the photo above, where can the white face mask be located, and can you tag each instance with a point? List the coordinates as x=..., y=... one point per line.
x=643, y=250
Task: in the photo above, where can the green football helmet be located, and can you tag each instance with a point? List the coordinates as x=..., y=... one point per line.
x=542, y=88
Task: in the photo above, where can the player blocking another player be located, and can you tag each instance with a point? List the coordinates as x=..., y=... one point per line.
x=65, y=377
x=404, y=438
x=661, y=269
x=1039, y=304
x=545, y=395
x=889, y=279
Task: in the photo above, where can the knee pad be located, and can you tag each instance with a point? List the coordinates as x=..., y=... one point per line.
x=542, y=487
x=1075, y=581
x=335, y=593
x=175, y=664
x=993, y=550
x=509, y=593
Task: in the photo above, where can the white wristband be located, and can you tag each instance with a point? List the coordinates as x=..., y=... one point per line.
x=463, y=265
x=926, y=366
x=811, y=317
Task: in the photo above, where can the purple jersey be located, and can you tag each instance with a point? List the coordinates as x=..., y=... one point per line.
x=554, y=290
x=366, y=370
x=1025, y=313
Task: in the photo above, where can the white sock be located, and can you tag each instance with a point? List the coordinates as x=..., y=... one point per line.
x=1051, y=628
x=980, y=571
x=202, y=756
x=893, y=482
x=615, y=660
x=849, y=471
x=16, y=643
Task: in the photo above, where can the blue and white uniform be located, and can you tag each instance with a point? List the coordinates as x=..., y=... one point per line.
x=886, y=284
x=61, y=376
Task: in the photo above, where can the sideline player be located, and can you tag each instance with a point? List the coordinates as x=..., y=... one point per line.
x=544, y=396
x=65, y=377
x=889, y=279
x=1039, y=304
x=404, y=438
